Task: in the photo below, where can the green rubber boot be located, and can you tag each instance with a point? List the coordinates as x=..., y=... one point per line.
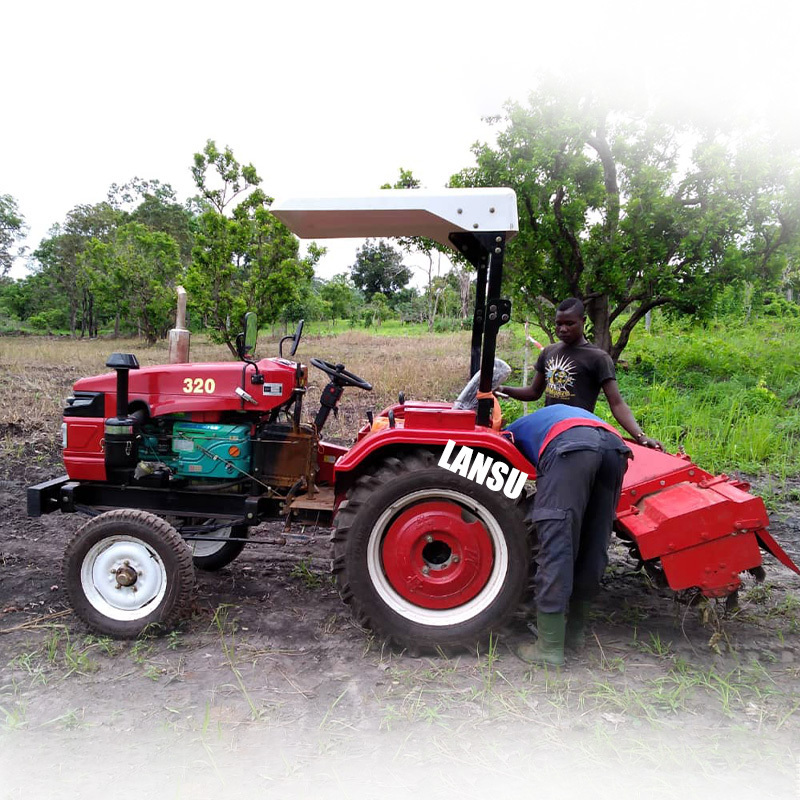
x=549, y=647
x=577, y=618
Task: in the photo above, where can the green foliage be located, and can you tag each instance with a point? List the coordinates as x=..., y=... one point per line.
x=411, y=309
x=12, y=230
x=112, y=261
x=379, y=269
x=136, y=272
x=247, y=261
x=154, y=205
x=60, y=265
x=306, y=305
x=728, y=393
x=449, y=325
x=376, y=311
x=232, y=177
x=21, y=299
x=610, y=212
x=777, y=306
x=51, y=320
x=769, y=175
x=339, y=296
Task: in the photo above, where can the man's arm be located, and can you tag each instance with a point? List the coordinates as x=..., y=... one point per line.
x=623, y=414
x=526, y=393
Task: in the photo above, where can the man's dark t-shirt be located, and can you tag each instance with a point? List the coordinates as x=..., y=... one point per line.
x=574, y=374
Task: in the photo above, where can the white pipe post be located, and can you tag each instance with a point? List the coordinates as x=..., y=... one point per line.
x=179, y=336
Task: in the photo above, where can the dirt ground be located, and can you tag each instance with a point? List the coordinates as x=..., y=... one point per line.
x=270, y=688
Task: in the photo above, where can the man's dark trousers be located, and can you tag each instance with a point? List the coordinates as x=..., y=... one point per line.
x=577, y=490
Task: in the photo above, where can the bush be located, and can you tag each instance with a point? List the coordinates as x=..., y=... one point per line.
x=447, y=325
x=776, y=305
x=52, y=319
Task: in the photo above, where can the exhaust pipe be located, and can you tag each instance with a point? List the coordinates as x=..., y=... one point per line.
x=121, y=433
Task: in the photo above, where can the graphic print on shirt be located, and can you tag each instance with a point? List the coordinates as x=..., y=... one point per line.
x=560, y=374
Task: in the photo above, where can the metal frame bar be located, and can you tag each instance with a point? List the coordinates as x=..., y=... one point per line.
x=485, y=251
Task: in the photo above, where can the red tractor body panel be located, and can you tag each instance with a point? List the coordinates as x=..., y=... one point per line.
x=192, y=388
x=84, y=458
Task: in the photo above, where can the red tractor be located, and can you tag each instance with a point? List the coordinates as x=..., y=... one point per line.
x=175, y=463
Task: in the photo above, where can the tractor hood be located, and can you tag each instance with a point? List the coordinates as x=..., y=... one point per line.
x=402, y=212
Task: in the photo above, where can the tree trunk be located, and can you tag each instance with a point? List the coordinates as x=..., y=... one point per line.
x=464, y=284
x=545, y=315
x=91, y=315
x=598, y=312
x=633, y=320
x=748, y=301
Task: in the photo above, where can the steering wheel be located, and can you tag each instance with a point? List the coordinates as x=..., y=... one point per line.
x=339, y=374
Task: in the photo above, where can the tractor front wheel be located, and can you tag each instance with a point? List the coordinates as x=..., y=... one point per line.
x=427, y=558
x=212, y=556
x=125, y=570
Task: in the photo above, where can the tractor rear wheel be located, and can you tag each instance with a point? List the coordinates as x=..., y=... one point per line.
x=427, y=558
x=127, y=569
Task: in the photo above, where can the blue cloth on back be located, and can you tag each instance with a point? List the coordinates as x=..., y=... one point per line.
x=530, y=431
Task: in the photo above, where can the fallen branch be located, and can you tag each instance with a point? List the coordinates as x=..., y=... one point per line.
x=35, y=622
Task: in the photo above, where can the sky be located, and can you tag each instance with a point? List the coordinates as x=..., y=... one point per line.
x=327, y=98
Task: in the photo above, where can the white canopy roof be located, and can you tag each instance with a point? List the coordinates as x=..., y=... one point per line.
x=401, y=212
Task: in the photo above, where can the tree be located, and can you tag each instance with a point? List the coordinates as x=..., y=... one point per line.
x=138, y=271
x=243, y=257
x=341, y=297
x=155, y=205
x=379, y=269
x=233, y=178
x=12, y=231
x=78, y=277
x=26, y=297
x=607, y=213
x=58, y=257
x=768, y=171
x=428, y=248
x=376, y=311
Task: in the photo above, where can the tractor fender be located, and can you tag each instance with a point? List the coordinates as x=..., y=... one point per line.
x=397, y=441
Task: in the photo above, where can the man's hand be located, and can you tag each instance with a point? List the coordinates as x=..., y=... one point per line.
x=646, y=441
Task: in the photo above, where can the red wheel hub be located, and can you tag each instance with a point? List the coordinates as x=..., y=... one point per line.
x=437, y=555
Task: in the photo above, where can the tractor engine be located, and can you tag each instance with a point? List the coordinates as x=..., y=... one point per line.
x=195, y=450
x=278, y=456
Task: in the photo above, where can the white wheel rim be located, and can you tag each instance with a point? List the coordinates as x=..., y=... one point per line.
x=202, y=549
x=100, y=584
x=428, y=616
